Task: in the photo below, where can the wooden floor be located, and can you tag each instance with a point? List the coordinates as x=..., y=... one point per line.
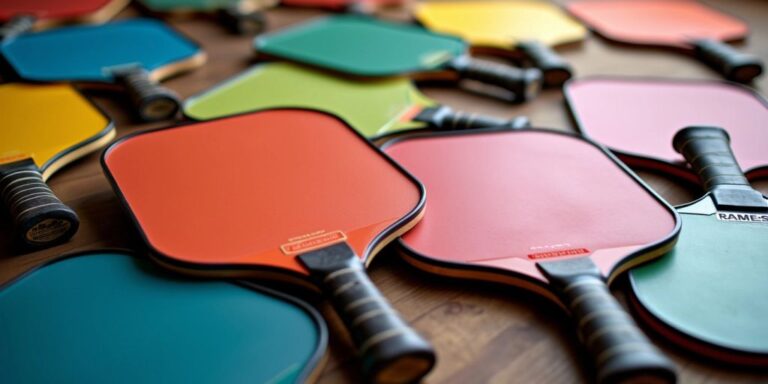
x=482, y=332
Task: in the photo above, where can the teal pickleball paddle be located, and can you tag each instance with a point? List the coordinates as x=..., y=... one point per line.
x=110, y=317
x=708, y=294
x=135, y=54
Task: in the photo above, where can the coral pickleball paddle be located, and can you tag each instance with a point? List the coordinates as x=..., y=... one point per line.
x=134, y=54
x=707, y=295
x=239, y=16
x=367, y=47
x=20, y=16
x=290, y=195
x=44, y=128
x=374, y=108
x=549, y=212
x=637, y=119
x=111, y=317
x=683, y=25
x=530, y=28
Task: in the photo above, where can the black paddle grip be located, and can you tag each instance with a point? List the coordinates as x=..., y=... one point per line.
x=40, y=219
x=708, y=151
x=732, y=64
x=242, y=21
x=389, y=350
x=152, y=101
x=622, y=353
x=444, y=118
x=555, y=70
x=16, y=26
x=523, y=83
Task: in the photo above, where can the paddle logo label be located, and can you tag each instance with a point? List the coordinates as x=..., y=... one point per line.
x=311, y=241
x=742, y=217
x=555, y=250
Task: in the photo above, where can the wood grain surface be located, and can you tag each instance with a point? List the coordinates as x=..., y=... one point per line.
x=482, y=332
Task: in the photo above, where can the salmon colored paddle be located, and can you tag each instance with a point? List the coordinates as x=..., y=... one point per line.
x=549, y=212
x=20, y=16
x=637, y=119
x=374, y=108
x=44, y=128
x=683, y=25
x=290, y=195
x=110, y=316
x=708, y=294
x=365, y=47
x=520, y=28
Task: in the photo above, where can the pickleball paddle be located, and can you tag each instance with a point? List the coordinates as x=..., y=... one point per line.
x=111, y=317
x=530, y=28
x=549, y=212
x=374, y=108
x=707, y=295
x=134, y=53
x=683, y=25
x=637, y=119
x=239, y=16
x=20, y=16
x=290, y=195
x=366, y=47
x=44, y=128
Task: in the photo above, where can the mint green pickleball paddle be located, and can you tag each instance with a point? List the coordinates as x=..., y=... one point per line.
x=708, y=294
x=366, y=47
x=109, y=317
x=374, y=108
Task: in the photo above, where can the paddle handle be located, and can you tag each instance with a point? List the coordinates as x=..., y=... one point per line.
x=16, y=26
x=151, y=101
x=444, y=118
x=555, y=70
x=622, y=353
x=243, y=21
x=390, y=351
x=523, y=83
x=732, y=64
x=708, y=151
x=39, y=218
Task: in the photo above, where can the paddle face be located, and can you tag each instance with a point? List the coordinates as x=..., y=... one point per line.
x=53, y=10
x=638, y=118
x=362, y=46
x=486, y=182
x=106, y=316
x=501, y=25
x=93, y=53
x=372, y=108
x=657, y=22
x=709, y=288
x=260, y=189
x=50, y=124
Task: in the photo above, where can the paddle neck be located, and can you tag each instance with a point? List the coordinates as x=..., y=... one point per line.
x=708, y=151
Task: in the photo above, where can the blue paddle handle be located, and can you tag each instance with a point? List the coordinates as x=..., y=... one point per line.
x=732, y=64
x=151, y=101
x=444, y=118
x=40, y=219
x=523, y=83
x=555, y=70
x=16, y=26
x=389, y=350
x=243, y=20
x=620, y=350
x=708, y=151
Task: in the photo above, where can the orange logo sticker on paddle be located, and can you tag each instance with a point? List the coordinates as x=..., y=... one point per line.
x=311, y=241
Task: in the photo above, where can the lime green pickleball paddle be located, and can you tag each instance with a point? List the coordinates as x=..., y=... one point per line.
x=374, y=108
x=366, y=47
x=110, y=317
x=708, y=294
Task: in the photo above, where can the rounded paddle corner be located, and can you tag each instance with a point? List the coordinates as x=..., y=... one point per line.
x=279, y=275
